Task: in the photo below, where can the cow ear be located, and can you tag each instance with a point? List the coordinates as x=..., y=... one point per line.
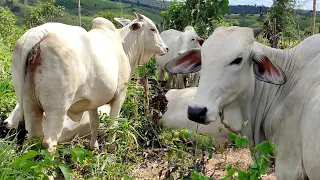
x=266, y=70
x=123, y=21
x=188, y=62
x=201, y=41
x=135, y=26
x=138, y=16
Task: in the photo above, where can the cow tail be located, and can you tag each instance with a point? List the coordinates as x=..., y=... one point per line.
x=34, y=37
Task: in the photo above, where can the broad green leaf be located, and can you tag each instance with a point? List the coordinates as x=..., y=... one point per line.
x=230, y=172
x=22, y=159
x=29, y=165
x=197, y=176
x=79, y=153
x=265, y=147
x=65, y=171
x=242, y=175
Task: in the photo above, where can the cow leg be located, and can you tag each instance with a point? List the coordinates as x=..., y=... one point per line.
x=181, y=83
x=116, y=105
x=195, y=80
x=94, y=120
x=160, y=73
x=170, y=80
x=33, y=118
x=54, y=125
x=174, y=81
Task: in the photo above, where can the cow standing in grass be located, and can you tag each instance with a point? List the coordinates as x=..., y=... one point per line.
x=64, y=70
x=277, y=92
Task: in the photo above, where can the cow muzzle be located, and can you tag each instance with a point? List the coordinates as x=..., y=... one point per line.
x=163, y=50
x=197, y=114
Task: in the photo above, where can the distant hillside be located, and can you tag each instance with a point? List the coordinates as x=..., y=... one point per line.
x=150, y=8
x=254, y=9
x=154, y=4
x=247, y=9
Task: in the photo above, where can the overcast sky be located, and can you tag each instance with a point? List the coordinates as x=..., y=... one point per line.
x=305, y=4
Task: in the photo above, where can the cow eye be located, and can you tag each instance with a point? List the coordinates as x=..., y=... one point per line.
x=153, y=30
x=236, y=61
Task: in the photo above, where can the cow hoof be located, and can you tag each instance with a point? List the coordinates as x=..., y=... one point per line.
x=51, y=149
x=50, y=145
x=94, y=146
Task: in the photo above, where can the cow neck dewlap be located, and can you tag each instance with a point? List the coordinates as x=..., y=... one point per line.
x=132, y=46
x=267, y=98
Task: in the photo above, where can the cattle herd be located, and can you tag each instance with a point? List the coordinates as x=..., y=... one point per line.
x=64, y=75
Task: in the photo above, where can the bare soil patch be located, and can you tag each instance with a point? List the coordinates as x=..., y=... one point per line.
x=156, y=161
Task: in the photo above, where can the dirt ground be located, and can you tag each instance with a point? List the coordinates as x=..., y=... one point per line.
x=240, y=158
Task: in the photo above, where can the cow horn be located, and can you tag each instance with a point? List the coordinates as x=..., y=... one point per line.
x=138, y=16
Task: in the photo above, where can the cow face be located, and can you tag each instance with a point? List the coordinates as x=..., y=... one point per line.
x=229, y=63
x=189, y=39
x=152, y=41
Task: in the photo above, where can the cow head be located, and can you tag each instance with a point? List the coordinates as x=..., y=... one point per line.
x=230, y=59
x=189, y=39
x=148, y=31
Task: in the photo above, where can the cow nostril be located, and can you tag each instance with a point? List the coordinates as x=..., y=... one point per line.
x=167, y=49
x=203, y=111
x=197, y=114
x=179, y=54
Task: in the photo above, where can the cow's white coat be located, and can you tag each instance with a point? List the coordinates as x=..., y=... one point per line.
x=79, y=71
x=287, y=114
x=178, y=42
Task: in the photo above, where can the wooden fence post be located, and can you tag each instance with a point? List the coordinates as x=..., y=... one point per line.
x=79, y=13
x=146, y=91
x=274, y=36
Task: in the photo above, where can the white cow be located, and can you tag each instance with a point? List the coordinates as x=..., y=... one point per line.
x=176, y=115
x=178, y=42
x=70, y=128
x=277, y=92
x=64, y=71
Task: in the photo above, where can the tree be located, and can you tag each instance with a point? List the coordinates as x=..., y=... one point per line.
x=198, y=13
x=176, y=16
x=204, y=12
x=44, y=12
x=283, y=11
x=9, y=32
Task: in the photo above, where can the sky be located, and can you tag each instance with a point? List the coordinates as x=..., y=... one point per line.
x=305, y=4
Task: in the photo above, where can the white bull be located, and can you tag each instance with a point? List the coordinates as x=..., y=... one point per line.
x=277, y=92
x=178, y=42
x=64, y=70
x=176, y=115
x=70, y=128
